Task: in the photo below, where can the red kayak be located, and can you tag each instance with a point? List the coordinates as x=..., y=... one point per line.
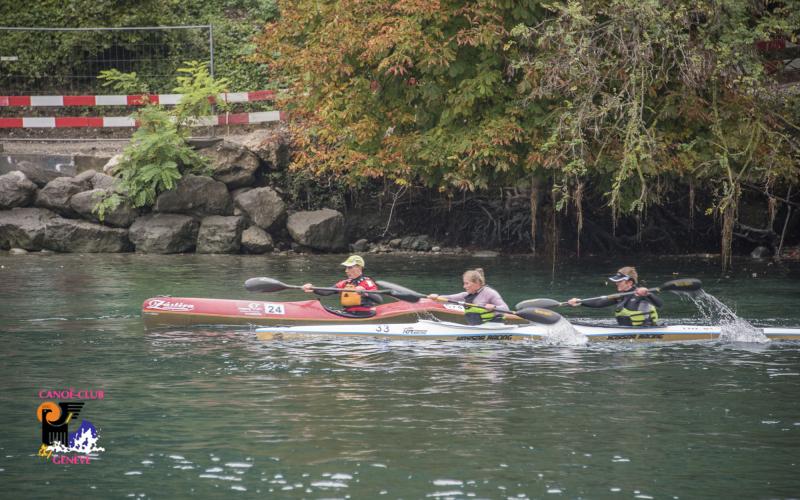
x=193, y=311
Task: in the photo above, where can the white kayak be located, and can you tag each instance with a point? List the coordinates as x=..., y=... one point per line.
x=439, y=330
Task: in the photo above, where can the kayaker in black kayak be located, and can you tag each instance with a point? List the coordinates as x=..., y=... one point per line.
x=638, y=309
x=361, y=304
x=477, y=292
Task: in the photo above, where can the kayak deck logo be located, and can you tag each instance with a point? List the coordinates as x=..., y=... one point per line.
x=57, y=418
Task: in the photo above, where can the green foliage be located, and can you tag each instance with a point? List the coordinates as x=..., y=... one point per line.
x=158, y=155
x=126, y=83
x=198, y=91
x=235, y=23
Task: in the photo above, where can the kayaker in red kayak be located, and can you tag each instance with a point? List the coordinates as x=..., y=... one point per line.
x=640, y=308
x=476, y=291
x=361, y=304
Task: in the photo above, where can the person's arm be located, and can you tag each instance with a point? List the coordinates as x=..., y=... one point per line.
x=493, y=298
x=369, y=284
x=651, y=297
x=655, y=300
x=596, y=303
x=309, y=288
x=456, y=296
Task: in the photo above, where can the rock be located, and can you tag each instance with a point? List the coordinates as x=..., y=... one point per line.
x=164, y=233
x=37, y=174
x=84, y=202
x=16, y=190
x=71, y=235
x=103, y=181
x=256, y=241
x=485, y=254
x=263, y=206
x=436, y=249
x=195, y=195
x=395, y=243
x=419, y=243
x=17, y=251
x=318, y=229
x=85, y=176
x=56, y=194
x=760, y=253
x=111, y=165
x=232, y=164
x=359, y=246
x=270, y=145
x=220, y=234
x=24, y=227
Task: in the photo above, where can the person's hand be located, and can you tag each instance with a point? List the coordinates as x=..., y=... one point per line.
x=433, y=296
x=642, y=292
x=489, y=307
x=308, y=288
x=574, y=302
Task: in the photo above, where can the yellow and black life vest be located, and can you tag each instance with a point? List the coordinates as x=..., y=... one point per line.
x=636, y=311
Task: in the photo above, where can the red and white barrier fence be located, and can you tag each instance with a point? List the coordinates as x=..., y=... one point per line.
x=125, y=121
x=129, y=100
x=123, y=100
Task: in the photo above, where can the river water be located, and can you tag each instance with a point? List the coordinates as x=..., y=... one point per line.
x=213, y=412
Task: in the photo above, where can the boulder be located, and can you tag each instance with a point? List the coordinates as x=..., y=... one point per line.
x=232, y=164
x=72, y=235
x=196, y=195
x=16, y=190
x=760, y=252
x=103, y=181
x=263, y=206
x=318, y=229
x=164, y=233
x=419, y=243
x=111, y=165
x=24, y=227
x=271, y=145
x=220, y=234
x=37, y=174
x=56, y=194
x=84, y=202
x=86, y=176
x=256, y=241
x=359, y=246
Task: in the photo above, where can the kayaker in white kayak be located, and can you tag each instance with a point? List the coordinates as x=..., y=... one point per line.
x=476, y=291
x=362, y=304
x=640, y=308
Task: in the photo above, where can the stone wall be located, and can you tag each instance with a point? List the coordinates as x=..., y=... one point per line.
x=227, y=212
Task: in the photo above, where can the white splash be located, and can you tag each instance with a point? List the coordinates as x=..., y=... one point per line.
x=732, y=327
x=563, y=333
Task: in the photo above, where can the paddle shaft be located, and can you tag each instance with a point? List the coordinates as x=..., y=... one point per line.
x=271, y=285
x=535, y=314
x=679, y=285
x=615, y=296
x=469, y=304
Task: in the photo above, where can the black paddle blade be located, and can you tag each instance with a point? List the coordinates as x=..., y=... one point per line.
x=400, y=292
x=539, y=315
x=264, y=285
x=682, y=285
x=545, y=303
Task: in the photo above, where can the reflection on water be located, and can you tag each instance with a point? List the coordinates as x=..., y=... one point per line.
x=212, y=411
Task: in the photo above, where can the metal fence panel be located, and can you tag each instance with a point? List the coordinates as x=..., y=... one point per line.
x=68, y=60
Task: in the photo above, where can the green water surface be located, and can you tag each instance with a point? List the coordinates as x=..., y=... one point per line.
x=213, y=412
